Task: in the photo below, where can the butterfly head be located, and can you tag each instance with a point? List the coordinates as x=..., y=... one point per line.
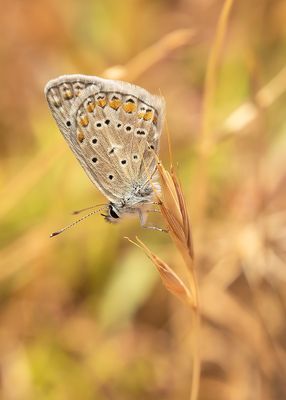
x=113, y=215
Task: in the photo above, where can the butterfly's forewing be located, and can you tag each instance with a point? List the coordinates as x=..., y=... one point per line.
x=112, y=127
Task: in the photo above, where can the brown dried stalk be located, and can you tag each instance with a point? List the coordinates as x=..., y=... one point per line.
x=174, y=211
x=206, y=141
x=150, y=56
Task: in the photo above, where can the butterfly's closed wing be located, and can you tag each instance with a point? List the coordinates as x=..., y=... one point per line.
x=112, y=127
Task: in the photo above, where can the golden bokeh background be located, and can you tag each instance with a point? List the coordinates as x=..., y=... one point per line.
x=84, y=315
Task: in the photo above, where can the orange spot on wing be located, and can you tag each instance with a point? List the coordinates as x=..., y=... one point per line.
x=80, y=136
x=101, y=103
x=67, y=94
x=90, y=107
x=155, y=120
x=129, y=107
x=148, y=115
x=115, y=104
x=83, y=120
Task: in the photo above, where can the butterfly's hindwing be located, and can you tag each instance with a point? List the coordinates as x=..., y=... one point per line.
x=112, y=127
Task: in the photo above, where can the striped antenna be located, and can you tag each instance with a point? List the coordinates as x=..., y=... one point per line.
x=87, y=208
x=76, y=222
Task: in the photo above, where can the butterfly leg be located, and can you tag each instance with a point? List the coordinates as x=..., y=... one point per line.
x=153, y=203
x=143, y=218
x=155, y=228
x=152, y=210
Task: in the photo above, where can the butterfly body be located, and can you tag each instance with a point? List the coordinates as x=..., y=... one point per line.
x=113, y=129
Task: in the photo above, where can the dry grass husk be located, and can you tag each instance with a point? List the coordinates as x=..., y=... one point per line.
x=174, y=211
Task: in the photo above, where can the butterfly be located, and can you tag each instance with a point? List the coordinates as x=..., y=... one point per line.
x=113, y=128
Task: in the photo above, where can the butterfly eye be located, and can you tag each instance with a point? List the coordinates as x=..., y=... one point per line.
x=68, y=123
x=112, y=212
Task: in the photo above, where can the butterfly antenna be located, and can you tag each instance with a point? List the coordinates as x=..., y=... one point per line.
x=76, y=222
x=87, y=208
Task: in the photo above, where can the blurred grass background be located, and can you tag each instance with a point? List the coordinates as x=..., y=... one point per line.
x=84, y=316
